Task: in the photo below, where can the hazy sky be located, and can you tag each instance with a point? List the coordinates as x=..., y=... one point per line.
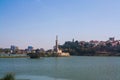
x=37, y=22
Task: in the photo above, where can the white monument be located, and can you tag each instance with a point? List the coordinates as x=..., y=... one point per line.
x=58, y=51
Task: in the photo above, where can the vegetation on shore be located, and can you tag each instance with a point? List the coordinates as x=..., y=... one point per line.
x=86, y=49
x=13, y=56
x=8, y=76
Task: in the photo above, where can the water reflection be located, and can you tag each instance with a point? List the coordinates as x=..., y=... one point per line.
x=63, y=68
x=56, y=68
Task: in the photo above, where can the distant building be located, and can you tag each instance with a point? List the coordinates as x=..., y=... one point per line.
x=94, y=43
x=73, y=40
x=30, y=49
x=111, y=39
x=21, y=51
x=102, y=43
x=13, y=49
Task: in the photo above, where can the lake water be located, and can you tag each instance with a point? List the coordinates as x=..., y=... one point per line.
x=62, y=68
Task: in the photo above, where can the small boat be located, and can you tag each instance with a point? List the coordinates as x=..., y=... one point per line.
x=34, y=55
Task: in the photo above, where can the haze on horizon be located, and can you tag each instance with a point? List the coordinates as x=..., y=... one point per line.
x=37, y=22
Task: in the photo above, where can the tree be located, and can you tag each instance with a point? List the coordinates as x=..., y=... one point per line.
x=6, y=50
x=1, y=50
x=9, y=76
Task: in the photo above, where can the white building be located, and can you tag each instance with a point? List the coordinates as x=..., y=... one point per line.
x=58, y=51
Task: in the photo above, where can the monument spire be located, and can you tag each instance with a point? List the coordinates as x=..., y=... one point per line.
x=56, y=43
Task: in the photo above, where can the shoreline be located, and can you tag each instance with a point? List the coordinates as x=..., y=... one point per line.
x=14, y=57
x=53, y=56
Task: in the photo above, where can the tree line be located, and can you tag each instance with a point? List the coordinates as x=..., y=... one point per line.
x=75, y=48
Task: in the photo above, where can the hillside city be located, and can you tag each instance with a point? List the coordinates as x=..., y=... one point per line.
x=110, y=47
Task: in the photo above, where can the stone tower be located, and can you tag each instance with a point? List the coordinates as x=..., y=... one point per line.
x=56, y=44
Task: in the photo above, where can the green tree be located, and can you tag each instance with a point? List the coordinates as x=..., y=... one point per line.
x=9, y=76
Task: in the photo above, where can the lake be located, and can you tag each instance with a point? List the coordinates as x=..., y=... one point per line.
x=62, y=68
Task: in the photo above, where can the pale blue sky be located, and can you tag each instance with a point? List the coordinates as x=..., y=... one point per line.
x=37, y=22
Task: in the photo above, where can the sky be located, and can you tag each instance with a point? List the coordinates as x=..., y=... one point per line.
x=37, y=22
